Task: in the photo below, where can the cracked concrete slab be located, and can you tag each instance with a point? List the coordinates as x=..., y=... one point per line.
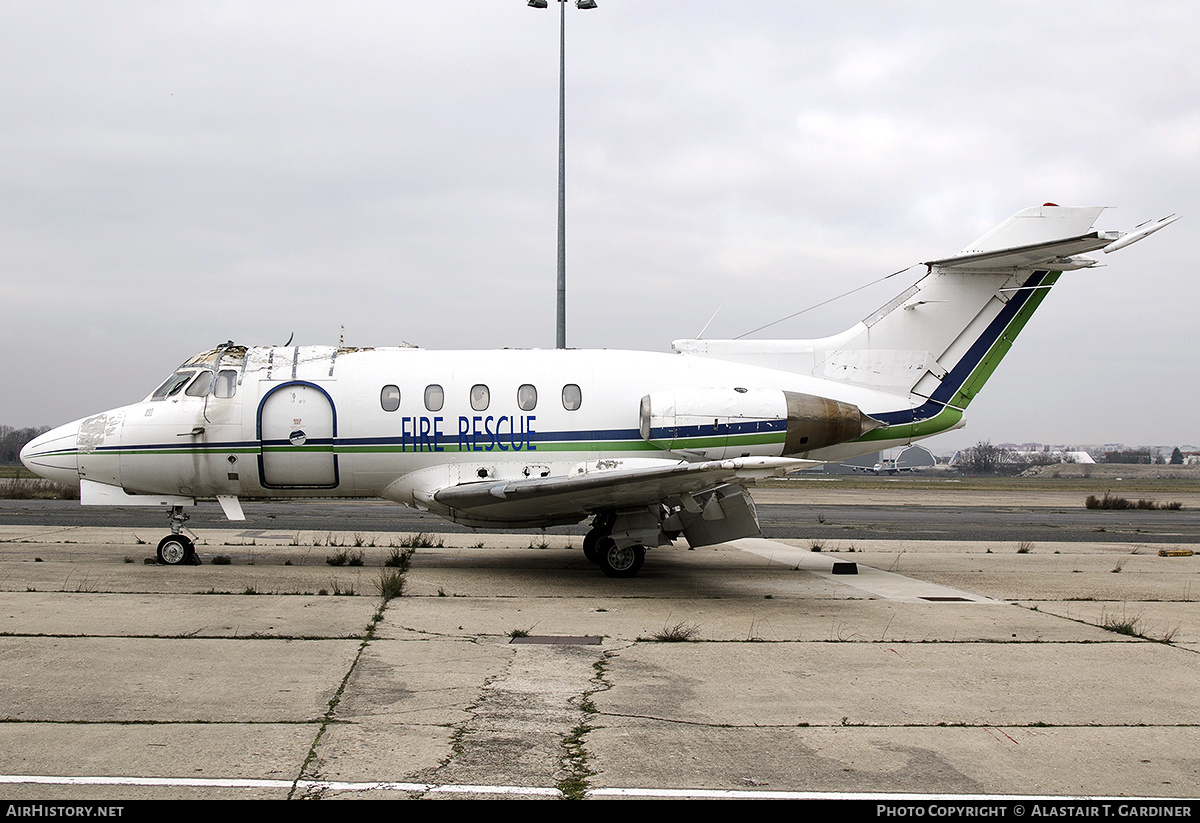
x=178, y=683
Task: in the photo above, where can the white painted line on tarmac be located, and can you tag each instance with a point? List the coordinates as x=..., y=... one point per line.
x=453, y=788
x=303, y=785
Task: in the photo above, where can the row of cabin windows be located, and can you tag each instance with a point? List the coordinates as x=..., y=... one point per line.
x=481, y=397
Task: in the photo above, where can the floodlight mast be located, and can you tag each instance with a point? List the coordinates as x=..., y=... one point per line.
x=561, y=326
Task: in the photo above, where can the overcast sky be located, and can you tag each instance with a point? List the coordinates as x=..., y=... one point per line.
x=173, y=175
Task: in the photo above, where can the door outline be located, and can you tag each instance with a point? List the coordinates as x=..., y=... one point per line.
x=319, y=441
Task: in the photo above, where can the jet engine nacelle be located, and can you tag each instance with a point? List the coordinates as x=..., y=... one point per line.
x=715, y=423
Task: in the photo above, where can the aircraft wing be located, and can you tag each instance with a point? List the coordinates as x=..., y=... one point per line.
x=603, y=486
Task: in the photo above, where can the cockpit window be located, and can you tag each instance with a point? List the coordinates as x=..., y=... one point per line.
x=226, y=383
x=200, y=385
x=172, y=385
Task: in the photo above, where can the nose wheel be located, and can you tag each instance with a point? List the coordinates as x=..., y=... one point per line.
x=177, y=549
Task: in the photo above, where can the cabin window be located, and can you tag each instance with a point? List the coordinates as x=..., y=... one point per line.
x=389, y=398
x=526, y=397
x=200, y=385
x=481, y=398
x=434, y=397
x=172, y=385
x=572, y=397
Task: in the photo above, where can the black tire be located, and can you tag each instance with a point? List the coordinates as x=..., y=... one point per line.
x=176, y=550
x=601, y=528
x=618, y=562
x=589, y=546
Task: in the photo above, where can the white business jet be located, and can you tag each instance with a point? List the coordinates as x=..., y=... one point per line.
x=651, y=446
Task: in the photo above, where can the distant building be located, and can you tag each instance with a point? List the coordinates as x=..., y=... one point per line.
x=914, y=458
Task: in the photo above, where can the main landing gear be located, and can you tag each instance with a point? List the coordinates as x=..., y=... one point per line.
x=614, y=560
x=177, y=549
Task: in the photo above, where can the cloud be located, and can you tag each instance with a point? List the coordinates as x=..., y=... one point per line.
x=173, y=175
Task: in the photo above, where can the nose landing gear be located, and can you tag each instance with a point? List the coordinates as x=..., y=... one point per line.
x=177, y=549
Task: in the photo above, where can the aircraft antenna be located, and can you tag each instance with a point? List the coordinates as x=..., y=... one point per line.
x=709, y=323
x=827, y=302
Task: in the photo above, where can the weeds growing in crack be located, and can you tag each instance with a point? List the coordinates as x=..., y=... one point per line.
x=575, y=785
x=328, y=717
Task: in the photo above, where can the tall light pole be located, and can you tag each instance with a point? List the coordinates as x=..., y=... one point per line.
x=561, y=337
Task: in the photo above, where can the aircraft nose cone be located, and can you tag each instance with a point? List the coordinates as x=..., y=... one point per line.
x=54, y=455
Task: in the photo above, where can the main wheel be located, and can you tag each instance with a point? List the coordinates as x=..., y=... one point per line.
x=619, y=562
x=589, y=546
x=601, y=528
x=175, y=550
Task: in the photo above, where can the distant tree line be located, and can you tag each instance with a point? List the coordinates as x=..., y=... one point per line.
x=13, y=440
x=985, y=458
x=1145, y=456
x=1142, y=456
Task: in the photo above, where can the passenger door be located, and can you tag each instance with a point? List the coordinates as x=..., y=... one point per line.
x=297, y=424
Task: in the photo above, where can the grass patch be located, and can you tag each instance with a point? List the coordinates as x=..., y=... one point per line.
x=679, y=633
x=36, y=488
x=575, y=785
x=420, y=540
x=390, y=584
x=399, y=558
x=1128, y=626
x=345, y=557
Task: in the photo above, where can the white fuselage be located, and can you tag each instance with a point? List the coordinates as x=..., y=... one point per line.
x=400, y=422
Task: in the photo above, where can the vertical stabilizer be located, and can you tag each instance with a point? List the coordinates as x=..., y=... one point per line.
x=938, y=342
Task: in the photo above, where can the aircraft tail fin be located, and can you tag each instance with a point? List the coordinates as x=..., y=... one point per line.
x=941, y=339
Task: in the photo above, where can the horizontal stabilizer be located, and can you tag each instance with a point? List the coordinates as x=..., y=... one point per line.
x=1054, y=255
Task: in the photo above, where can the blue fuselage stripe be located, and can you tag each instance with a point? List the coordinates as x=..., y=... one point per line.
x=962, y=370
